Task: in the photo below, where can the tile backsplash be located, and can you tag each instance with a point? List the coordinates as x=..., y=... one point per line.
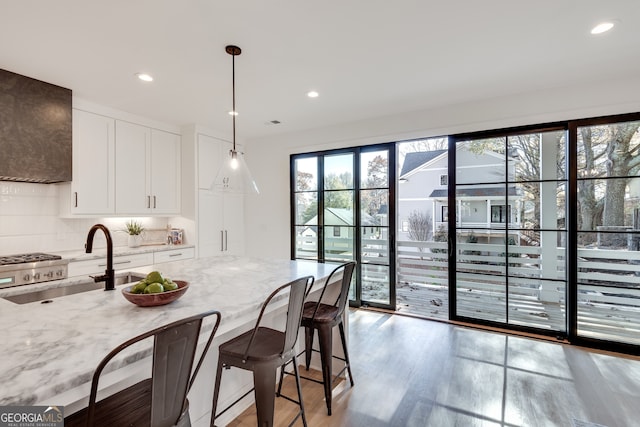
x=30, y=222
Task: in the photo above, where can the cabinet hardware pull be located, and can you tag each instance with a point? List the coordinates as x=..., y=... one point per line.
x=75, y=195
x=115, y=263
x=154, y=202
x=172, y=255
x=148, y=202
x=226, y=241
x=221, y=241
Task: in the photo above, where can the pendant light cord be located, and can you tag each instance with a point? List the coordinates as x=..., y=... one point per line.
x=233, y=84
x=233, y=51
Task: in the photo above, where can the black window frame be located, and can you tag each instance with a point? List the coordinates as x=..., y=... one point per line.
x=357, y=226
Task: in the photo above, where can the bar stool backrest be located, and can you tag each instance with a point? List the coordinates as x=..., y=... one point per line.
x=294, y=311
x=341, y=301
x=297, y=291
x=174, y=349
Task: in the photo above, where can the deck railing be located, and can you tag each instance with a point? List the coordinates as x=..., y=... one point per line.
x=482, y=266
x=608, y=290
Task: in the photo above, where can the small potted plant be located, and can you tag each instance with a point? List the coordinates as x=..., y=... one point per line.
x=134, y=230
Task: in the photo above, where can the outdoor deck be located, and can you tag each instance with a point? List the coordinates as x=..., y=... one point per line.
x=596, y=320
x=432, y=301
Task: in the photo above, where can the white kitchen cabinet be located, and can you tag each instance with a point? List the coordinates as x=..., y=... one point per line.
x=165, y=172
x=92, y=189
x=220, y=214
x=147, y=164
x=220, y=223
x=233, y=222
x=173, y=255
x=99, y=265
x=211, y=151
x=125, y=262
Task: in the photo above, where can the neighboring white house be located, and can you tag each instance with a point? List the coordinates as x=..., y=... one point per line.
x=339, y=231
x=340, y=223
x=424, y=186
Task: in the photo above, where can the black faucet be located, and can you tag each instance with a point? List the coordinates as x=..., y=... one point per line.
x=109, y=275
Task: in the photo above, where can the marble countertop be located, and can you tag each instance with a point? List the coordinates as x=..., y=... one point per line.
x=51, y=348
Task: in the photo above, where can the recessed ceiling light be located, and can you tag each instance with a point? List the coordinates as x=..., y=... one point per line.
x=233, y=113
x=144, y=77
x=312, y=94
x=602, y=27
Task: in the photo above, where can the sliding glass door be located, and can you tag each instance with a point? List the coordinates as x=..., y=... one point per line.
x=342, y=209
x=510, y=230
x=608, y=232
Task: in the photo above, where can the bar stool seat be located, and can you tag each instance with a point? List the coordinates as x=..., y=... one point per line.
x=324, y=314
x=267, y=345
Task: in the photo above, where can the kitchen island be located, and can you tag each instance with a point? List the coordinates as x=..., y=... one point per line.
x=51, y=350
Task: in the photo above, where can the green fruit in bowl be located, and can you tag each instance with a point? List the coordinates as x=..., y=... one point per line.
x=139, y=287
x=154, y=277
x=170, y=286
x=154, y=288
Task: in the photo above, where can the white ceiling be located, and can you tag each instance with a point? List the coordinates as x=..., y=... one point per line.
x=366, y=58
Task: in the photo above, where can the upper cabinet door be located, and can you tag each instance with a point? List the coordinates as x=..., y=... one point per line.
x=93, y=185
x=147, y=170
x=133, y=187
x=209, y=159
x=165, y=172
x=233, y=216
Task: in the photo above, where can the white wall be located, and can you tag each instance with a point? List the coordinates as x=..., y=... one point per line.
x=267, y=214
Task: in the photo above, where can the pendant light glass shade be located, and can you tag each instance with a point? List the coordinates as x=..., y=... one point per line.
x=234, y=174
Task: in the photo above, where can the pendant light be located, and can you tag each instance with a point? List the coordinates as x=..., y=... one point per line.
x=234, y=174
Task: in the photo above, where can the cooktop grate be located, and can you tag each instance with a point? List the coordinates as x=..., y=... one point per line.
x=25, y=258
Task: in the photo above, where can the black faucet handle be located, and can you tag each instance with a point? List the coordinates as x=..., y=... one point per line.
x=100, y=278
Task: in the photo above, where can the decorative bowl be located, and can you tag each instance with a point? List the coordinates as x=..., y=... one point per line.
x=151, y=300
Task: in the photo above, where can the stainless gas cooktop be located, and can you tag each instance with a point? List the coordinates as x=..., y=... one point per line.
x=25, y=269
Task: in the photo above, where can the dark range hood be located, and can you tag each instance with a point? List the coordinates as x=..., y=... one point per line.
x=35, y=130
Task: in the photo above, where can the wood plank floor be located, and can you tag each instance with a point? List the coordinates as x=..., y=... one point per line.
x=416, y=372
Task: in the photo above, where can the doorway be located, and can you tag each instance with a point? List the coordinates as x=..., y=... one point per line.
x=510, y=236
x=343, y=209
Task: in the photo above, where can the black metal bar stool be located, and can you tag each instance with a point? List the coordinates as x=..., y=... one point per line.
x=158, y=401
x=323, y=317
x=263, y=350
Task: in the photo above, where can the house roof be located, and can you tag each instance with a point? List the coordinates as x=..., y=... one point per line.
x=476, y=192
x=346, y=216
x=413, y=161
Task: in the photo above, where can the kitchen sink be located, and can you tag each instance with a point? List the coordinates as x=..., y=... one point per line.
x=46, y=295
